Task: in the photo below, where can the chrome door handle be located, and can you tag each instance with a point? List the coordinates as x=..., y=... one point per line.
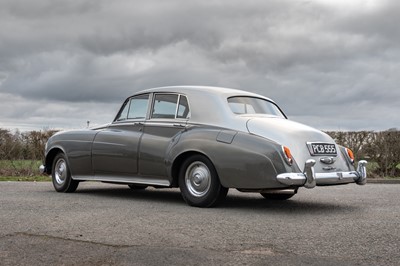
x=179, y=125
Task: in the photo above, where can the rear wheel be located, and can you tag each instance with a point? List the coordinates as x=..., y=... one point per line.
x=61, y=175
x=199, y=182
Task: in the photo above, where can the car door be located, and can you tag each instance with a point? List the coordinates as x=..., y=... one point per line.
x=115, y=149
x=169, y=116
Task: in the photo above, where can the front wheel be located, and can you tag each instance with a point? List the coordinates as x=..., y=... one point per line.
x=199, y=182
x=61, y=175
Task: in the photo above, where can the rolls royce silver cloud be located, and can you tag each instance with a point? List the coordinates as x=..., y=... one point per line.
x=203, y=140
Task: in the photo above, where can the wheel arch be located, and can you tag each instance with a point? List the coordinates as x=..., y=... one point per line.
x=179, y=160
x=50, y=158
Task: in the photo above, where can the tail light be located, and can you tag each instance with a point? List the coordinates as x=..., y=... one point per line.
x=350, y=155
x=288, y=155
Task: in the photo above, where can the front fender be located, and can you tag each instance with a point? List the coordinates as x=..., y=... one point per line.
x=77, y=147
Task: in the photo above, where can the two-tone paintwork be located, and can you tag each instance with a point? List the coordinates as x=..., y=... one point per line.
x=246, y=150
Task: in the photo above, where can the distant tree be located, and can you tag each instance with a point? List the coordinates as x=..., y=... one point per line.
x=383, y=148
x=10, y=145
x=35, y=142
x=357, y=141
x=21, y=151
x=23, y=146
x=385, y=151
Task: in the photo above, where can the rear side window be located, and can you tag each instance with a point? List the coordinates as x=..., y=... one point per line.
x=183, y=108
x=170, y=106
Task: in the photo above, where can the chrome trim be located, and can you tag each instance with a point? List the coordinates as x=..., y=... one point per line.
x=198, y=179
x=124, y=180
x=292, y=179
x=42, y=169
x=310, y=179
x=60, y=171
x=270, y=191
x=177, y=106
x=327, y=160
x=309, y=173
x=362, y=171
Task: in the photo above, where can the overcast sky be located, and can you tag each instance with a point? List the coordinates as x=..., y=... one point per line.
x=331, y=64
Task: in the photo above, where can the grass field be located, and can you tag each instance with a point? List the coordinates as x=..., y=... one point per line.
x=21, y=170
x=20, y=163
x=38, y=178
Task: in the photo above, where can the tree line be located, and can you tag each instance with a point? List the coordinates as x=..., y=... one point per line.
x=381, y=149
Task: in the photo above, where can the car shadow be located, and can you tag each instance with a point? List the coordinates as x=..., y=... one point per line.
x=243, y=201
x=293, y=205
x=125, y=193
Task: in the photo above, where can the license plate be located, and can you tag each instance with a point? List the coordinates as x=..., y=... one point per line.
x=317, y=148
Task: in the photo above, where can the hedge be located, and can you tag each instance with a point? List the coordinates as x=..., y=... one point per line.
x=381, y=149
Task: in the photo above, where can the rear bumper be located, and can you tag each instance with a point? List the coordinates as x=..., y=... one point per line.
x=310, y=179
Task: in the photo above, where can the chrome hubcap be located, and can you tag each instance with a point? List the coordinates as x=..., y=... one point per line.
x=60, y=173
x=198, y=179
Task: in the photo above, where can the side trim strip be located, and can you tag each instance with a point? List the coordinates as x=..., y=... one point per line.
x=125, y=180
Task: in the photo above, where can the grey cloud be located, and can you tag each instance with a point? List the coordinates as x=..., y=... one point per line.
x=309, y=57
x=380, y=23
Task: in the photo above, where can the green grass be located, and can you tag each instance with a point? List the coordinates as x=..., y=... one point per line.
x=21, y=170
x=20, y=164
x=26, y=178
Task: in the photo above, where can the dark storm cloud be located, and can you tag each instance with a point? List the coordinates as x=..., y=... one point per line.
x=323, y=61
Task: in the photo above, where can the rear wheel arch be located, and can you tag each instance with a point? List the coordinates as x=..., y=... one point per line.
x=178, y=162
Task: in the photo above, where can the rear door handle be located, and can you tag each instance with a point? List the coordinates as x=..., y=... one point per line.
x=179, y=125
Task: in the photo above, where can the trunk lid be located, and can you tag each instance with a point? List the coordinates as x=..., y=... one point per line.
x=291, y=134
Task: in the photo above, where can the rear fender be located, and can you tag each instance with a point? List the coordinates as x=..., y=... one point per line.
x=242, y=160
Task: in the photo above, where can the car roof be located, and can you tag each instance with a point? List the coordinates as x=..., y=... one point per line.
x=190, y=89
x=209, y=105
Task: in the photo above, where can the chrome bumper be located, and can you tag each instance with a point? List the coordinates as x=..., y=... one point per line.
x=310, y=179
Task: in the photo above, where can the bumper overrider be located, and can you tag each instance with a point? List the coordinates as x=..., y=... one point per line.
x=310, y=179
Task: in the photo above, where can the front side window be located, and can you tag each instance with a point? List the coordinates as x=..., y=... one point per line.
x=134, y=108
x=138, y=108
x=251, y=105
x=123, y=114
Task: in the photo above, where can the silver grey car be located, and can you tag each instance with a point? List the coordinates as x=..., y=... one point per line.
x=203, y=140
